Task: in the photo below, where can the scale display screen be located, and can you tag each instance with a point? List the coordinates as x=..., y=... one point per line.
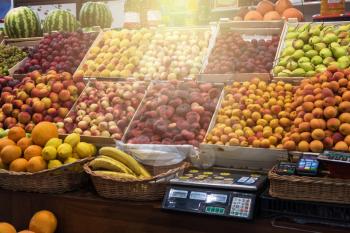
x=200, y=196
x=175, y=193
x=216, y=198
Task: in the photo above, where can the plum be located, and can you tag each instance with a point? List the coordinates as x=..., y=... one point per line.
x=165, y=111
x=188, y=135
x=213, y=93
x=167, y=141
x=196, y=97
x=142, y=139
x=193, y=117
x=175, y=102
x=160, y=126
x=205, y=87
x=182, y=109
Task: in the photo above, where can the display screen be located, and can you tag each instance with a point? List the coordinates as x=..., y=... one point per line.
x=216, y=198
x=178, y=193
x=198, y=196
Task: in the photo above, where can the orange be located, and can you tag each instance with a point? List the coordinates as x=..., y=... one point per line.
x=26, y=231
x=5, y=142
x=16, y=133
x=32, y=151
x=10, y=153
x=43, y=132
x=36, y=164
x=43, y=222
x=24, y=143
x=7, y=228
x=19, y=165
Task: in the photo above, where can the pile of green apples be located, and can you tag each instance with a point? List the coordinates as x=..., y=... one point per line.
x=310, y=48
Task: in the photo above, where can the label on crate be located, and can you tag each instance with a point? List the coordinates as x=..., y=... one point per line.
x=132, y=17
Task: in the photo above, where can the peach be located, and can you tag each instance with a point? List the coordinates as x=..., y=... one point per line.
x=333, y=124
x=318, y=124
x=38, y=106
x=334, y=86
x=329, y=101
x=316, y=146
x=346, y=96
x=319, y=104
x=305, y=136
x=341, y=146
x=37, y=117
x=344, y=106
x=284, y=122
x=24, y=117
x=265, y=143
x=304, y=127
x=328, y=142
x=347, y=140
x=330, y=112
x=308, y=117
x=57, y=87
x=297, y=121
x=343, y=83
x=338, y=100
x=64, y=95
x=308, y=106
x=303, y=146
x=295, y=137
x=318, y=134
x=317, y=112
x=309, y=98
x=344, y=129
x=289, y=145
x=345, y=117
x=326, y=92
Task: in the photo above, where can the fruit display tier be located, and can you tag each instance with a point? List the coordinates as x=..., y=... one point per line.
x=306, y=49
x=157, y=54
x=238, y=51
x=174, y=113
x=104, y=109
x=59, y=51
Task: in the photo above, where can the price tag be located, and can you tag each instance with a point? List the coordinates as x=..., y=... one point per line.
x=132, y=17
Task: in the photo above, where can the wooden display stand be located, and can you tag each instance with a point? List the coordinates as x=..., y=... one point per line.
x=84, y=212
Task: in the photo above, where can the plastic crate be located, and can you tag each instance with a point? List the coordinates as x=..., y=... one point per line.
x=270, y=206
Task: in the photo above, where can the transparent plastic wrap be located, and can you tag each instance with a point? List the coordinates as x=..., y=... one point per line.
x=158, y=155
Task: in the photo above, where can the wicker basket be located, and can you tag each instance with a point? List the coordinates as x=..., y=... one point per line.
x=134, y=190
x=59, y=180
x=321, y=189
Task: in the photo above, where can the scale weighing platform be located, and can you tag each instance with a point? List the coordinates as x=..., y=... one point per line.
x=219, y=192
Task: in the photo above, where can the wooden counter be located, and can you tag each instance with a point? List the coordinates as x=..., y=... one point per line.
x=84, y=212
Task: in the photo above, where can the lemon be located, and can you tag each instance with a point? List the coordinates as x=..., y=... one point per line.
x=84, y=150
x=49, y=153
x=72, y=139
x=54, y=163
x=64, y=151
x=55, y=142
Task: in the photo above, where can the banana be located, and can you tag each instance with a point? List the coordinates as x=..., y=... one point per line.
x=128, y=160
x=107, y=163
x=116, y=174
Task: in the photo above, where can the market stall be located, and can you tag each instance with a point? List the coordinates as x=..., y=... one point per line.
x=243, y=123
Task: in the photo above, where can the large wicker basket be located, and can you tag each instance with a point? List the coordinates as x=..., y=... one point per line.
x=322, y=189
x=135, y=190
x=59, y=180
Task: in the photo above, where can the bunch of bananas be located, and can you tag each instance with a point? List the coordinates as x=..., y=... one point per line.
x=115, y=163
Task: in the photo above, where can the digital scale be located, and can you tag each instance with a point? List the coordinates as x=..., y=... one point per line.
x=218, y=192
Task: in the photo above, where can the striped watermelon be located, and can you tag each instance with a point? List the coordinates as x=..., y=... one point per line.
x=95, y=14
x=60, y=20
x=22, y=22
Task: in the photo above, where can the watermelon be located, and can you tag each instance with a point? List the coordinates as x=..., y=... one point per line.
x=60, y=20
x=22, y=22
x=95, y=14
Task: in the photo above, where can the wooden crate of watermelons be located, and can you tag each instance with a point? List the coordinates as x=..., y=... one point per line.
x=42, y=162
x=117, y=175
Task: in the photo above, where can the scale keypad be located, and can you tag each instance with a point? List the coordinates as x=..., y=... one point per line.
x=240, y=207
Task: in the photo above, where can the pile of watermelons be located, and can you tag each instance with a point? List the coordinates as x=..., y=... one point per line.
x=23, y=22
